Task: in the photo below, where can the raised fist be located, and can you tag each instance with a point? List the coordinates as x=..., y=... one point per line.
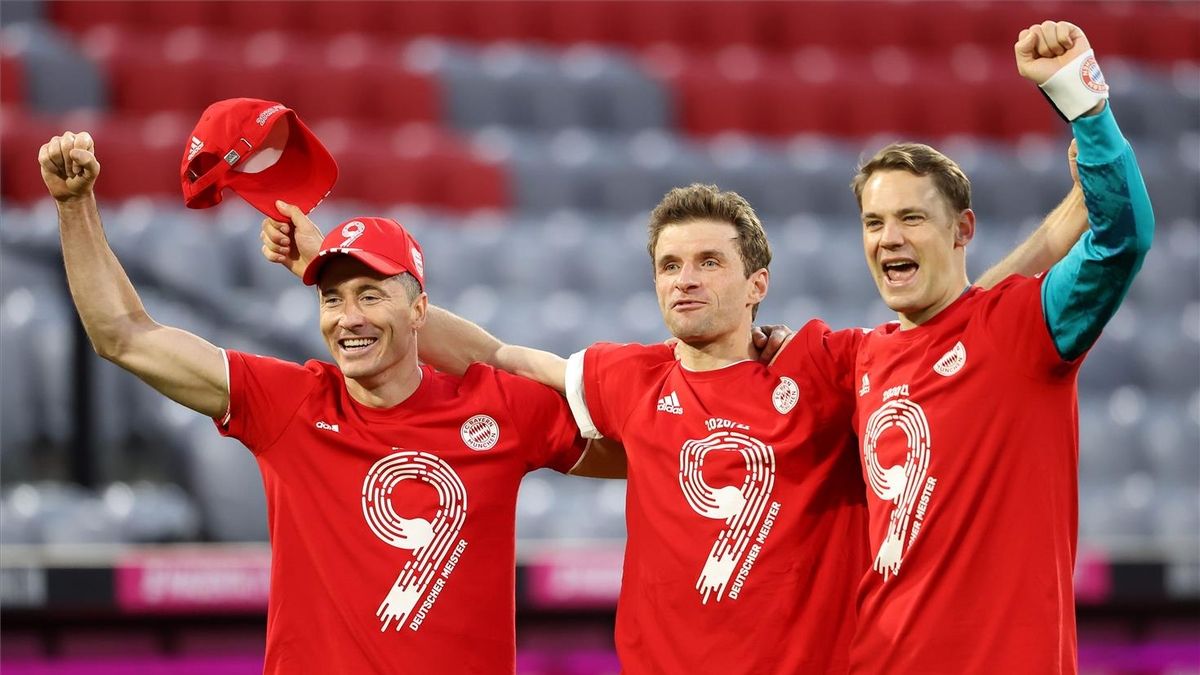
x=69, y=166
x=1044, y=48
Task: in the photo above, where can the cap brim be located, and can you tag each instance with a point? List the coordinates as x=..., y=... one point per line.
x=303, y=176
x=373, y=260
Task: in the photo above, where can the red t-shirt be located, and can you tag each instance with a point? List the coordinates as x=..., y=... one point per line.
x=969, y=443
x=745, y=509
x=392, y=530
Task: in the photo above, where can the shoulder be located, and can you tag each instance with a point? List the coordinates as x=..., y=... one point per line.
x=1014, y=291
x=630, y=354
x=272, y=368
x=816, y=341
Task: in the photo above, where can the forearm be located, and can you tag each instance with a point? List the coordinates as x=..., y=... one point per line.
x=108, y=305
x=1047, y=245
x=451, y=343
x=1083, y=291
x=535, y=364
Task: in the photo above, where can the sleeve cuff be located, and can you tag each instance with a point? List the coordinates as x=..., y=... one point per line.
x=1100, y=139
x=575, y=396
x=224, y=420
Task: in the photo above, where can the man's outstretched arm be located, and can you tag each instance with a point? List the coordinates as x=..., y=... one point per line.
x=182, y=366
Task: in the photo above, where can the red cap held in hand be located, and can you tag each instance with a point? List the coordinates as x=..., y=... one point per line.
x=381, y=243
x=262, y=151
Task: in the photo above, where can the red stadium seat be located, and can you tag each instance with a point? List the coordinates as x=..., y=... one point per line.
x=20, y=138
x=648, y=23
x=721, y=23
x=472, y=184
x=166, y=16
x=708, y=104
x=12, y=80
x=421, y=17
x=499, y=20
x=79, y=16
x=585, y=21
x=331, y=18
x=250, y=16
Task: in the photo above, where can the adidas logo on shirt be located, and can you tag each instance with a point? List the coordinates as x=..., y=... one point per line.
x=328, y=427
x=670, y=403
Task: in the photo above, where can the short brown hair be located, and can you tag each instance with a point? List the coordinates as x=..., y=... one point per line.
x=920, y=160
x=708, y=202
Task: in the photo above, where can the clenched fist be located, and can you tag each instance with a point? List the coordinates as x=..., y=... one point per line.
x=69, y=166
x=1044, y=48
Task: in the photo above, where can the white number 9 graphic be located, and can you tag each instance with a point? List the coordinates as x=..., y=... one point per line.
x=351, y=231
x=429, y=541
x=740, y=507
x=899, y=484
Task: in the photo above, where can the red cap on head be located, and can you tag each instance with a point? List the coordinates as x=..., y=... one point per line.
x=259, y=149
x=381, y=243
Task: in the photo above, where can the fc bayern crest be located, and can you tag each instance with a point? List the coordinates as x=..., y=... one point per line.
x=480, y=432
x=786, y=395
x=1089, y=72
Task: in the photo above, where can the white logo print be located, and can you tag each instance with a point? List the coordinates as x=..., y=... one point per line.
x=429, y=541
x=901, y=483
x=418, y=261
x=194, y=149
x=866, y=386
x=266, y=114
x=670, y=403
x=952, y=361
x=740, y=506
x=786, y=395
x=480, y=432
x=351, y=231
x=328, y=427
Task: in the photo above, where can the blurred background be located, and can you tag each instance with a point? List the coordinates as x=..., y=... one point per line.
x=524, y=143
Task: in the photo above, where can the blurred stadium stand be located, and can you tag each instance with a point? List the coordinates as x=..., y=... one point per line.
x=524, y=143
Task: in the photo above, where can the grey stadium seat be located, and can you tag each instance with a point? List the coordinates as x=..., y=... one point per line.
x=224, y=477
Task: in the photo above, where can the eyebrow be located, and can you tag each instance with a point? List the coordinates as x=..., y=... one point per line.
x=901, y=212
x=710, y=253
x=369, y=286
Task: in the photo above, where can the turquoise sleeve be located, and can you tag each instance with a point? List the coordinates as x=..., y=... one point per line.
x=1083, y=290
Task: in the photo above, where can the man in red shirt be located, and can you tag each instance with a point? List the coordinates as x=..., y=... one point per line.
x=391, y=488
x=967, y=414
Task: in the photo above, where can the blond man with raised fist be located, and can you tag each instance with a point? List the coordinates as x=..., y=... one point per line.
x=967, y=409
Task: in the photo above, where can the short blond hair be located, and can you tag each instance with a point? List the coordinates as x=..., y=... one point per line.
x=920, y=160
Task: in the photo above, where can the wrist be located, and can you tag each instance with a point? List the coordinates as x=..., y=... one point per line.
x=74, y=203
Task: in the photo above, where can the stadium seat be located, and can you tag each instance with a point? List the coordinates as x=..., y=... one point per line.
x=151, y=512
x=223, y=476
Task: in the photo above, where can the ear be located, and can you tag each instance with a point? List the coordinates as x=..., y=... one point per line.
x=964, y=228
x=759, y=281
x=419, y=311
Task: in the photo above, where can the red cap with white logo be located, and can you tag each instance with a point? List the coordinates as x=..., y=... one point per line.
x=260, y=150
x=381, y=243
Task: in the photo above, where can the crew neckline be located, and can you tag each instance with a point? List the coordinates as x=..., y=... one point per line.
x=414, y=399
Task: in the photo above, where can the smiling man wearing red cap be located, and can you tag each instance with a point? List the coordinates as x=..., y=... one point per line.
x=391, y=488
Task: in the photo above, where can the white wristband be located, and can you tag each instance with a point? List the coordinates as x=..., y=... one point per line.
x=1077, y=87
